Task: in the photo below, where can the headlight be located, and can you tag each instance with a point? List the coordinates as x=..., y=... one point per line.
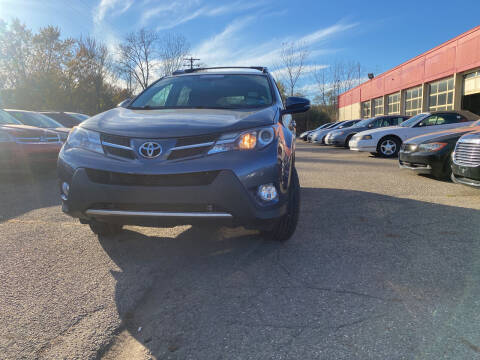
x=432, y=147
x=366, y=137
x=248, y=140
x=84, y=139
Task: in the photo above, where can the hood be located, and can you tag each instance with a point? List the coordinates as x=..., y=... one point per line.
x=61, y=130
x=25, y=131
x=444, y=135
x=177, y=122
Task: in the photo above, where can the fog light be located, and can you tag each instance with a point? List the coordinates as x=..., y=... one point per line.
x=65, y=191
x=267, y=192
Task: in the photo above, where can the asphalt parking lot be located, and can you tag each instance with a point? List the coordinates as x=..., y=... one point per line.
x=384, y=264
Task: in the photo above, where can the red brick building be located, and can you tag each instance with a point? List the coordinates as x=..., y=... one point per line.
x=444, y=78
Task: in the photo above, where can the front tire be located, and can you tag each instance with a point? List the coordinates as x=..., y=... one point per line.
x=444, y=172
x=105, y=229
x=284, y=227
x=388, y=147
x=347, y=140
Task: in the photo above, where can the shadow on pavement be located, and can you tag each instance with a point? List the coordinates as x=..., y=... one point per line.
x=22, y=192
x=365, y=276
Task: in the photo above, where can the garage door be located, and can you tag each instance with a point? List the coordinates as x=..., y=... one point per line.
x=472, y=83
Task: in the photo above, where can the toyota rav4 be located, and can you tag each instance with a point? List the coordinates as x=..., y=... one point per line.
x=200, y=146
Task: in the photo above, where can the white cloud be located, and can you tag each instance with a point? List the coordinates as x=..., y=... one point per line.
x=230, y=47
x=171, y=14
x=115, y=7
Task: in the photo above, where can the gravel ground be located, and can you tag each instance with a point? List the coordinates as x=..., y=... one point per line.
x=385, y=264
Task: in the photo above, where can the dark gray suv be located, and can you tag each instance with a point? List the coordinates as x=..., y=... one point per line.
x=207, y=145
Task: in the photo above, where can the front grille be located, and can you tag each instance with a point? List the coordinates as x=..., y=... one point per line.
x=115, y=139
x=118, y=146
x=192, y=140
x=183, y=153
x=467, y=154
x=188, y=179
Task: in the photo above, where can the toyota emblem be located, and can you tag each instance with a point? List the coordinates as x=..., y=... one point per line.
x=150, y=150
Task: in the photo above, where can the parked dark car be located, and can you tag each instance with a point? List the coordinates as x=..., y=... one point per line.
x=304, y=135
x=35, y=119
x=431, y=153
x=341, y=137
x=24, y=147
x=67, y=120
x=210, y=145
x=466, y=160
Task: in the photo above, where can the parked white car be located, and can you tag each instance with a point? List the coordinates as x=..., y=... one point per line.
x=386, y=141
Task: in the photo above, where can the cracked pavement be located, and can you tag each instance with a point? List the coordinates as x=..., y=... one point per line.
x=384, y=264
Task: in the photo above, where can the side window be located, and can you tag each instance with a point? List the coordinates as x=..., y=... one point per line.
x=160, y=98
x=452, y=118
x=397, y=120
x=184, y=96
x=429, y=121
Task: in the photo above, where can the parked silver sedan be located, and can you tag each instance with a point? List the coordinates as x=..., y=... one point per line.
x=318, y=137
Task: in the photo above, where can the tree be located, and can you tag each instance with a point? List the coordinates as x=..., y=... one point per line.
x=292, y=64
x=335, y=80
x=137, y=55
x=173, y=49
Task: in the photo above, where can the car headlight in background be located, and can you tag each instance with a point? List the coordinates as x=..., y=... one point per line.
x=366, y=137
x=248, y=140
x=84, y=139
x=431, y=147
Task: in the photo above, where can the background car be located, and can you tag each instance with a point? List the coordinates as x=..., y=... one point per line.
x=331, y=125
x=318, y=137
x=466, y=160
x=32, y=118
x=342, y=137
x=79, y=116
x=304, y=135
x=25, y=147
x=386, y=142
x=67, y=120
x=431, y=153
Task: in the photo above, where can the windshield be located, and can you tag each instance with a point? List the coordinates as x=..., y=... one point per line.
x=363, y=123
x=6, y=118
x=207, y=92
x=413, y=120
x=34, y=119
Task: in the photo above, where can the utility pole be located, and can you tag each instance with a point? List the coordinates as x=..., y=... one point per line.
x=191, y=60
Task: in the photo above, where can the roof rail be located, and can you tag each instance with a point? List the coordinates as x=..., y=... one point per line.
x=186, y=71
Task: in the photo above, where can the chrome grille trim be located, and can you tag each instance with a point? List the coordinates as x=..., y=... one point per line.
x=467, y=154
x=99, y=212
x=193, y=146
x=117, y=146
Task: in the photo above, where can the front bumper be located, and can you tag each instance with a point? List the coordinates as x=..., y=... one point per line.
x=420, y=162
x=171, y=195
x=363, y=145
x=466, y=175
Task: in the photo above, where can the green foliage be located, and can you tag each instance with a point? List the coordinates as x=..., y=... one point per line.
x=41, y=71
x=311, y=119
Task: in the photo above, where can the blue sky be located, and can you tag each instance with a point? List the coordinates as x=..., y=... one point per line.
x=378, y=34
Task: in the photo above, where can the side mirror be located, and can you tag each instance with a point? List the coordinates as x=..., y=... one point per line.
x=296, y=105
x=125, y=103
